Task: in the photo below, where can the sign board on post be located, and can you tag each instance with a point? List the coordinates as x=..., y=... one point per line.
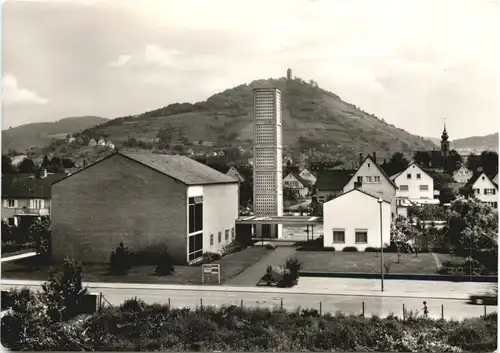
x=210, y=270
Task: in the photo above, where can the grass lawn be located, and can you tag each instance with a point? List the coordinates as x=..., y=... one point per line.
x=231, y=265
x=364, y=262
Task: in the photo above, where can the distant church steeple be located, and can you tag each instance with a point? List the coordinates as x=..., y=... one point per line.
x=445, y=146
x=289, y=74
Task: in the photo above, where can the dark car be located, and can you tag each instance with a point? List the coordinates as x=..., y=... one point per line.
x=490, y=298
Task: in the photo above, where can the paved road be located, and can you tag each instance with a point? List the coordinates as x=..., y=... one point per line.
x=382, y=306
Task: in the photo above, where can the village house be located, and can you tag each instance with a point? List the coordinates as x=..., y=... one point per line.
x=462, y=175
x=484, y=188
x=26, y=196
x=298, y=185
x=101, y=142
x=352, y=219
x=92, y=143
x=308, y=175
x=150, y=202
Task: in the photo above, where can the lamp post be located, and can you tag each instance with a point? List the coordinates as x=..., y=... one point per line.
x=380, y=201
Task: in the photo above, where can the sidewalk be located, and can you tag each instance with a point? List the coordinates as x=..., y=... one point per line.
x=314, y=286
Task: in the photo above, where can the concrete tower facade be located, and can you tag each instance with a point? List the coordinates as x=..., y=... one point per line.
x=268, y=156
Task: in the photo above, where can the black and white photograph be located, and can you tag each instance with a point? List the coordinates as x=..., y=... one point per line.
x=274, y=176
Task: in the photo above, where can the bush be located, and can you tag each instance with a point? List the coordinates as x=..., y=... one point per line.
x=209, y=257
x=291, y=273
x=472, y=267
x=64, y=291
x=165, y=265
x=350, y=249
x=120, y=261
x=371, y=249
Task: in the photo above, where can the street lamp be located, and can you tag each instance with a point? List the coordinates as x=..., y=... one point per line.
x=380, y=201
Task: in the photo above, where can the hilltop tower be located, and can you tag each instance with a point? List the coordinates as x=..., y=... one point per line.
x=268, y=156
x=289, y=74
x=445, y=147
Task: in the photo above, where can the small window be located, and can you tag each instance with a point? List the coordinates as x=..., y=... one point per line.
x=403, y=187
x=368, y=179
x=233, y=234
x=376, y=179
x=11, y=203
x=360, y=179
x=419, y=176
x=219, y=238
x=408, y=176
x=424, y=187
x=226, y=235
x=339, y=236
x=361, y=237
x=211, y=239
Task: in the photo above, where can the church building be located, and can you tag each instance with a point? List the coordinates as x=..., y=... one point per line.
x=436, y=160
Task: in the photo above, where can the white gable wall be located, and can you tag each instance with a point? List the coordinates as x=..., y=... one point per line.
x=414, y=183
x=307, y=175
x=462, y=175
x=479, y=187
x=495, y=179
x=356, y=211
x=383, y=187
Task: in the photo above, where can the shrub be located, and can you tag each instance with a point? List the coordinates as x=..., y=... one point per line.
x=350, y=249
x=40, y=233
x=291, y=273
x=472, y=267
x=211, y=257
x=165, y=265
x=270, y=246
x=232, y=248
x=387, y=267
x=64, y=291
x=120, y=261
x=371, y=249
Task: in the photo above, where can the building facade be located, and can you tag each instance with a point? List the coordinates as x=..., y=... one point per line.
x=268, y=156
x=485, y=189
x=308, y=175
x=137, y=198
x=353, y=220
x=414, y=183
x=299, y=186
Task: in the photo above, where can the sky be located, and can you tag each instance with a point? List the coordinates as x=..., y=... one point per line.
x=412, y=63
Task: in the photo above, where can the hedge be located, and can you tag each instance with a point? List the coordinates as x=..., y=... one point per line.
x=136, y=326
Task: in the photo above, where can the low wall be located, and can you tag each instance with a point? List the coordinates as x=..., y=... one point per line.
x=401, y=276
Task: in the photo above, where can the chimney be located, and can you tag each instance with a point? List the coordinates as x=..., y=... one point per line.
x=360, y=159
x=375, y=157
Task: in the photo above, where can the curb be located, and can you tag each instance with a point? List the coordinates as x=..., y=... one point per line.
x=208, y=288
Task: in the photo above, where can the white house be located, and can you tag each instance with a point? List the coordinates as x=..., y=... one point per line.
x=414, y=183
x=297, y=184
x=92, y=143
x=308, y=175
x=374, y=180
x=484, y=189
x=353, y=219
x=495, y=179
x=462, y=175
x=101, y=142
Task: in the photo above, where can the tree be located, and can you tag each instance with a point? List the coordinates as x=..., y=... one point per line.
x=120, y=261
x=489, y=162
x=165, y=264
x=399, y=236
x=64, y=291
x=473, y=162
x=165, y=134
x=40, y=233
x=55, y=165
x=45, y=163
x=396, y=164
x=27, y=166
x=289, y=194
x=446, y=195
x=7, y=167
x=454, y=162
x=67, y=163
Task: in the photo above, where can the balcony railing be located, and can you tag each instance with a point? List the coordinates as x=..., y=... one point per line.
x=32, y=211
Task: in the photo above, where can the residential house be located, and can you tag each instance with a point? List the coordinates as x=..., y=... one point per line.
x=371, y=178
x=330, y=183
x=414, y=183
x=148, y=201
x=92, y=143
x=235, y=173
x=190, y=152
x=299, y=186
x=110, y=145
x=463, y=175
x=484, y=188
x=308, y=175
x=352, y=219
x=101, y=142
x=25, y=196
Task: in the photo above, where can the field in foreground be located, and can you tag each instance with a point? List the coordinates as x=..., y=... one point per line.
x=135, y=326
x=366, y=262
x=231, y=265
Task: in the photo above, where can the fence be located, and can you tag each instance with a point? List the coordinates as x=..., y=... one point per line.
x=364, y=308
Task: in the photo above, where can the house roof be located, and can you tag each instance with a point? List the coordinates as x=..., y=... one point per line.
x=363, y=192
x=181, y=168
x=28, y=187
x=333, y=179
x=394, y=176
x=301, y=180
x=476, y=176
